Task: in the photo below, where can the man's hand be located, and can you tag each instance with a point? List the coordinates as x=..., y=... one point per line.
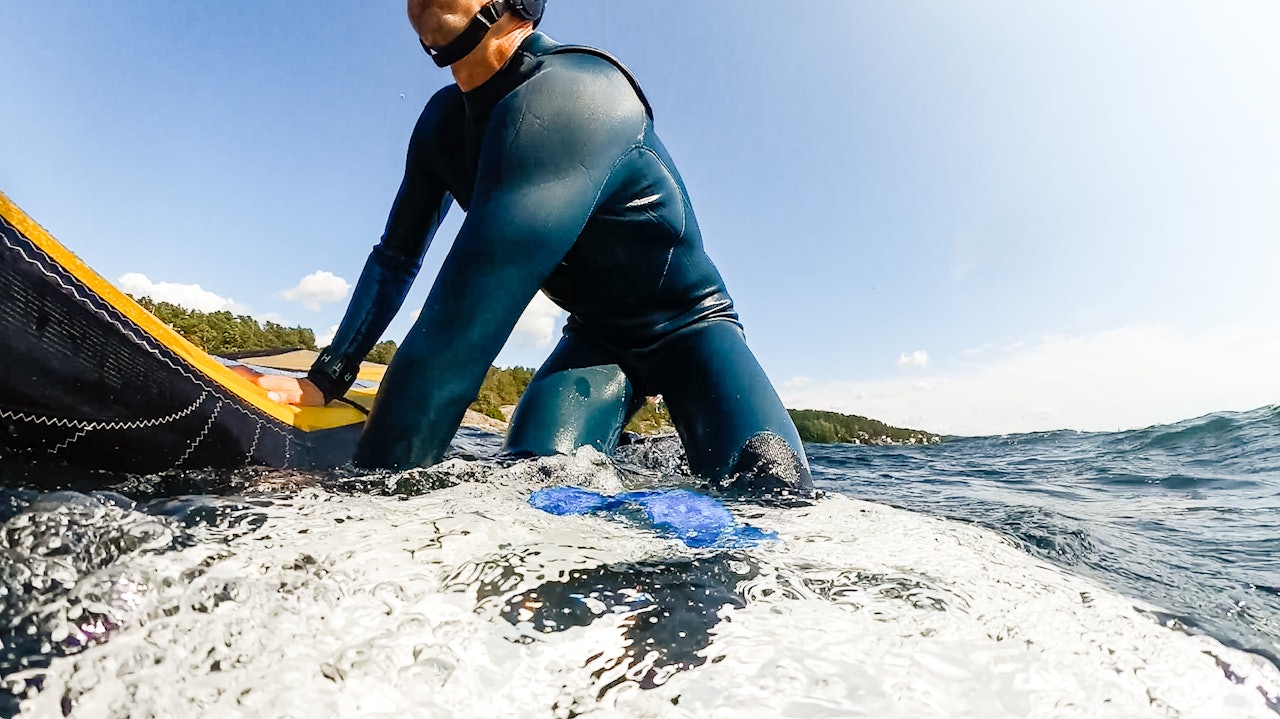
x=286, y=390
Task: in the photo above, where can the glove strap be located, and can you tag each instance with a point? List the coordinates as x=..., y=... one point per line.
x=470, y=39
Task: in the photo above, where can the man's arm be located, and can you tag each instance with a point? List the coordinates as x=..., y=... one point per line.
x=546, y=161
x=415, y=216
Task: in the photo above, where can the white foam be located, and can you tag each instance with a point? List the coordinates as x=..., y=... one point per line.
x=376, y=606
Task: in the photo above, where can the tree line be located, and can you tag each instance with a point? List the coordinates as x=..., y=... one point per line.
x=225, y=333
x=834, y=428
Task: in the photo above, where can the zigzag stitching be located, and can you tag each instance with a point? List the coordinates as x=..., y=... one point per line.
x=86, y=425
x=63, y=445
x=288, y=441
x=257, y=434
x=200, y=437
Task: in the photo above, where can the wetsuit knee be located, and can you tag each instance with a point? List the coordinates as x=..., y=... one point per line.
x=565, y=409
x=768, y=467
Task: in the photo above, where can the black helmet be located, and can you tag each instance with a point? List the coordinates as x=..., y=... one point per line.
x=470, y=38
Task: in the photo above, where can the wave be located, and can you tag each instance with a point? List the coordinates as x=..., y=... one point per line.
x=462, y=599
x=441, y=591
x=1257, y=431
x=1183, y=514
x=1125, y=574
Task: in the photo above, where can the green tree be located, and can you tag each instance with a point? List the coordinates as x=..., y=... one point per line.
x=832, y=427
x=222, y=332
x=651, y=418
x=501, y=387
x=381, y=352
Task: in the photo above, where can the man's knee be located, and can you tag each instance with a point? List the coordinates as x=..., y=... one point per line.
x=562, y=411
x=767, y=466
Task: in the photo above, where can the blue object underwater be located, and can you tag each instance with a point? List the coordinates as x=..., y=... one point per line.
x=693, y=518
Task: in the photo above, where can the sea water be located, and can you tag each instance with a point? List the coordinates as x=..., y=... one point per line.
x=1050, y=575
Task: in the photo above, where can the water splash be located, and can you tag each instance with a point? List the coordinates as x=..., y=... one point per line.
x=441, y=592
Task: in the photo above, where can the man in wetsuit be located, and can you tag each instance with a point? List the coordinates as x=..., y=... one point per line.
x=551, y=151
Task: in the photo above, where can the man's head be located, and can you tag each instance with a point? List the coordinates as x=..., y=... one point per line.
x=440, y=21
x=473, y=38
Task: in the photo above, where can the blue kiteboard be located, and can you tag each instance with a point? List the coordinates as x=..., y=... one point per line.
x=693, y=518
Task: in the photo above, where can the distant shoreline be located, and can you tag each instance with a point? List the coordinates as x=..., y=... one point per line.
x=272, y=345
x=815, y=427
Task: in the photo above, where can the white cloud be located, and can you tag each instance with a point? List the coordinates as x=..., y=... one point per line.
x=318, y=288
x=1116, y=379
x=192, y=297
x=919, y=358
x=323, y=340
x=537, y=327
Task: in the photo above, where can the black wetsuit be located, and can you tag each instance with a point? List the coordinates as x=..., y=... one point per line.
x=567, y=189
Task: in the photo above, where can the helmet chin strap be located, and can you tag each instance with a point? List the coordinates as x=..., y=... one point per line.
x=471, y=37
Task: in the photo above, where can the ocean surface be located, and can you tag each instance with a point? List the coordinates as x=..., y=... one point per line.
x=1053, y=574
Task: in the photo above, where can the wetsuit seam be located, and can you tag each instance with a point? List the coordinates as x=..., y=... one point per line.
x=586, y=326
x=515, y=133
x=604, y=185
x=684, y=201
x=684, y=210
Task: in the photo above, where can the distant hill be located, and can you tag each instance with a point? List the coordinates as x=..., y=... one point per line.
x=834, y=428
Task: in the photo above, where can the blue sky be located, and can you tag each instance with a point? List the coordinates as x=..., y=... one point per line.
x=974, y=217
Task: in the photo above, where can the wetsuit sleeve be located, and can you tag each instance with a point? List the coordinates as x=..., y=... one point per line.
x=549, y=151
x=393, y=264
